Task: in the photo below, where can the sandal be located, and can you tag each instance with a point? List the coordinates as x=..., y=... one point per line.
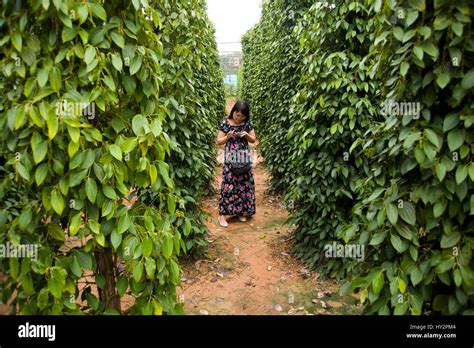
x=222, y=221
x=242, y=218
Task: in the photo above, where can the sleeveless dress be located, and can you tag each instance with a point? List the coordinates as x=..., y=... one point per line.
x=237, y=191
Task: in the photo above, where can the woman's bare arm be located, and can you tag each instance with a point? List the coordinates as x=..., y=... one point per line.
x=250, y=136
x=222, y=138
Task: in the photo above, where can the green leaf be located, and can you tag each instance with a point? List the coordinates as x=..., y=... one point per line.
x=41, y=173
x=167, y=247
x=153, y=174
x=43, y=75
x=409, y=140
x=124, y=223
x=24, y=173
x=39, y=147
x=400, y=308
x=397, y=243
x=404, y=68
x=450, y=240
x=56, y=232
x=416, y=276
x=467, y=276
x=21, y=118
x=55, y=79
x=68, y=34
x=117, y=62
x=135, y=65
x=17, y=41
x=377, y=283
x=392, y=213
x=461, y=174
x=95, y=227
x=109, y=81
x=439, y=208
x=25, y=219
x=146, y=246
x=76, y=267
x=402, y=285
x=43, y=295
x=109, y=192
x=89, y=55
x=118, y=39
x=171, y=204
x=450, y=122
x=53, y=124
x=116, y=151
x=65, y=19
x=471, y=171
x=138, y=271
x=164, y=175
x=82, y=13
x=404, y=230
x=430, y=49
x=116, y=239
x=408, y=213
x=440, y=169
x=455, y=139
x=445, y=264
x=57, y=202
x=75, y=224
x=418, y=5
x=98, y=11
x=418, y=51
x=138, y=122
x=150, y=267
x=107, y=207
x=443, y=79
x=122, y=286
x=91, y=189
x=468, y=80
x=129, y=144
x=432, y=137
x=55, y=288
x=187, y=227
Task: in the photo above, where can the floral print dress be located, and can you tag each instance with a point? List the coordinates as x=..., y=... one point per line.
x=237, y=191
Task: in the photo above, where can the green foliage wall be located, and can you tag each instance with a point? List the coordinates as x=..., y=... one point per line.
x=271, y=61
x=145, y=72
x=419, y=197
x=398, y=183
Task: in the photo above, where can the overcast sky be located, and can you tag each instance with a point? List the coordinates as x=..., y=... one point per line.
x=232, y=18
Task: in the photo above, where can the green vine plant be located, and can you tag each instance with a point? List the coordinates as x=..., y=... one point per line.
x=93, y=96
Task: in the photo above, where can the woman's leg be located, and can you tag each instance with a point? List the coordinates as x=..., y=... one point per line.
x=222, y=221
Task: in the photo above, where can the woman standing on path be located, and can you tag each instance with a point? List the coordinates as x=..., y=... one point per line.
x=238, y=186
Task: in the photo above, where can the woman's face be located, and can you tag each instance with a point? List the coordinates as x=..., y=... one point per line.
x=238, y=116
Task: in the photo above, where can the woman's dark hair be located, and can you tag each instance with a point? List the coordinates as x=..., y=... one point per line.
x=241, y=106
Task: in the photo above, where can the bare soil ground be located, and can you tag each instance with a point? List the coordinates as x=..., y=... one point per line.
x=249, y=268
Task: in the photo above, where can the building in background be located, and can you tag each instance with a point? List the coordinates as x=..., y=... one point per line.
x=231, y=62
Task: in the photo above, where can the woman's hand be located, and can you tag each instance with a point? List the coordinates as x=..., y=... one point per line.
x=231, y=134
x=249, y=136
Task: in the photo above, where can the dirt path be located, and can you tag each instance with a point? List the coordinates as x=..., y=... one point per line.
x=249, y=269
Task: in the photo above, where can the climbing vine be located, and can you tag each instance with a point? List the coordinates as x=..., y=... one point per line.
x=93, y=100
x=368, y=139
